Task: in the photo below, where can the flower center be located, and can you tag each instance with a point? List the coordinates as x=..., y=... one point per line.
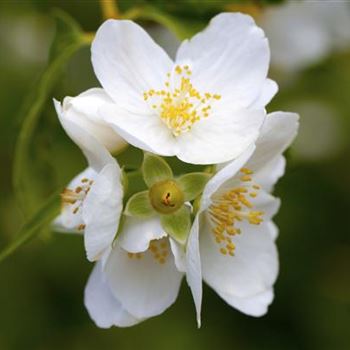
x=231, y=207
x=166, y=197
x=75, y=198
x=180, y=104
x=159, y=248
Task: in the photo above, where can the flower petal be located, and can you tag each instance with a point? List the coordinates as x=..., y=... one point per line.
x=83, y=110
x=96, y=153
x=144, y=286
x=69, y=220
x=252, y=270
x=269, y=90
x=179, y=254
x=145, y=131
x=221, y=137
x=127, y=62
x=103, y=307
x=255, y=305
x=267, y=176
x=101, y=211
x=230, y=57
x=224, y=175
x=277, y=133
x=137, y=233
x=193, y=268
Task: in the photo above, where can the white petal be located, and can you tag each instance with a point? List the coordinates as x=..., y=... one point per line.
x=127, y=62
x=96, y=153
x=224, y=175
x=101, y=211
x=83, y=110
x=252, y=270
x=102, y=306
x=273, y=229
x=137, y=233
x=145, y=131
x=144, y=286
x=255, y=305
x=269, y=90
x=278, y=131
x=267, y=203
x=220, y=137
x=230, y=57
x=268, y=175
x=193, y=268
x=179, y=255
x=70, y=219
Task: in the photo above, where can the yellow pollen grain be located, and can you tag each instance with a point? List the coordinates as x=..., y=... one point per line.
x=246, y=178
x=223, y=251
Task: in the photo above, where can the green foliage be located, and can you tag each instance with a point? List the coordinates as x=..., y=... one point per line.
x=32, y=226
x=67, y=41
x=155, y=169
x=139, y=205
x=178, y=224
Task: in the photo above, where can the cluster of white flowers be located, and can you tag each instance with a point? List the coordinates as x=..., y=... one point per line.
x=206, y=108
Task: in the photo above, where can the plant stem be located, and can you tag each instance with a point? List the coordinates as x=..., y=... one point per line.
x=109, y=9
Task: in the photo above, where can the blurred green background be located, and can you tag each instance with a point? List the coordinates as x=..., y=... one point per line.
x=41, y=290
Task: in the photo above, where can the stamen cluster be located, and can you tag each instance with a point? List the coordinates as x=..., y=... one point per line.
x=231, y=207
x=180, y=104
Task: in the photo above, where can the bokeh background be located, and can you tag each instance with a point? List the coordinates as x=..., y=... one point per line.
x=41, y=285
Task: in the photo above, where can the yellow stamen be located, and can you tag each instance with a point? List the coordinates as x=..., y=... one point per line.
x=232, y=207
x=180, y=104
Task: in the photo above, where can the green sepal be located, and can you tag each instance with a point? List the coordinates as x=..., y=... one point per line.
x=139, y=205
x=178, y=224
x=192, y=184
x=155, y=169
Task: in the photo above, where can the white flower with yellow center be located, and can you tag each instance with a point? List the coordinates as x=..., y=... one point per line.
x=206, y=107
x=231, y=244
x=92, y=202
x=141, y=277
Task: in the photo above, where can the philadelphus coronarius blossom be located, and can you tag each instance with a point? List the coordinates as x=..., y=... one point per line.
x=87, y=203
x=204, y=108
x=158, y=221
x=231, y=243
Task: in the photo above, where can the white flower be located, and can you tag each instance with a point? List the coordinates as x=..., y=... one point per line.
x=302, y=33
x=83, y=110
x=141, y=277
x=92, y=201
x=206, y=107
x=231, y=243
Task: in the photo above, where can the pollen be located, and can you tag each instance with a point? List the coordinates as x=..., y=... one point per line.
x=232, y=207
x=159, y=250
x=180, y=104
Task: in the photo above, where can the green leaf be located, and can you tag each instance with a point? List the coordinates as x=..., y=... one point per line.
x=155, y=169
x=178, y=224
x=33, y=226
x=67, y=41
x=139, y=205
x=193, y=184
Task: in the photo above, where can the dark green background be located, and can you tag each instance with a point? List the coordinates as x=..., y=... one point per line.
x=41, y=288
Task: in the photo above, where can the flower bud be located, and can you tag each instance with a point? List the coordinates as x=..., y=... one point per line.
x=166, y=197
x=83, y=110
